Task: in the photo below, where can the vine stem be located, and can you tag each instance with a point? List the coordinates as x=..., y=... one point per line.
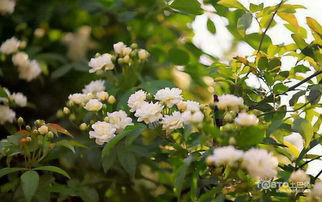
x=269, y=24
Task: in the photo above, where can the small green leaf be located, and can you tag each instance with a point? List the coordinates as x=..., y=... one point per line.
x=295, y=97
x=300, y=42
x=187, y=6
x=211, y=26
x=3, y=93
x=29, y=183
x=254, y=40
x=178, y=56
x=254, y=8
x=127, y=160
x=155, y=85
x=61, y=71
x=279, y=88
x=53, y=169
x=6, y=171
x=314, y=25
x=301, y=69
x=232, y=4
x=303, y=127
x=263, y=63
x=180, y=175
x=249, y=136
x=244, y=23
x=108, y=161
x=315, y=94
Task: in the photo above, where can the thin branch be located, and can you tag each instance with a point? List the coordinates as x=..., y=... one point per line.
x=304, y=80
x=269, y=24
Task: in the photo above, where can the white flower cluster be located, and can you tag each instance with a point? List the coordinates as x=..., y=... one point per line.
x=122, y=54
x=7, y=114
x=258, y=162
x=28, y=69
x=149, y=112
x=92, y=97
x=244, y=119
x=7, y=6
x=105, y=131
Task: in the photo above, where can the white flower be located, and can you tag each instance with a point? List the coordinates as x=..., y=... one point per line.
x=230, y=102
x=103, y=61
x=172, y=122
x=192, y=117
x=136, y=100
x=29, y=72
x=43, y=130
x=245, y=119
x=225, y=156
x=192, y=106
x=77, y=98
x=149, y=112
x=296, y=140
x=126, y=51
x=7, y=6
x=317, y=190
x=20, y=99
x=20, y=59
x=119, y=120
x=168, y=96
x=103, y=132
x=6, y=114
x=143, y=54
x=10, y=45
x=118, y=47
x=93, y=105
x=102, y=95
x=260, y=164
x=299, y=176
x=94, y=87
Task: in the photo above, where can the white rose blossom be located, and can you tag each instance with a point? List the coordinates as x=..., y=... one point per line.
x=103, y=132
x=299, y=176
x=30, y=71
x=192, y=113
x=118, y=47
x=102, y=95
x=119, y=120
x=172, y=122
x=7, y=114
x=260, y=164
x=20, y=59
x=229, y=102
x=101, y=62
x=169, y=97
x=143, y=54
x=20, y=99
x=136, y=100
x=78, y=98
x=7, y=6
x=225, y=156
x=244, y=119
x=93, y=105
x=149, y=112
x=94, y=87
x=10, y=45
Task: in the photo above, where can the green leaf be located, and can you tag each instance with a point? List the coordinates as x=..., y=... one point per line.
x=295, y=97
x=315, y=94
x=127, y=160
x=29, y=183
x=232, y=4
x=244, y=23
x=300, y=42
x=303, y=127
x=155, y=85
x=254, y=40
x=263, y=63
x=180, y=175
x=314, y=25
x=6, y=171
x=61, y=71
x=108, y=161
x=274, y=64
x=276, y=124
x=3, y=93
x=211, y=26
x=70, y=144
x=279, y=88
x=128, y=130
x=249, y=136
x=178, y=56
x=53, y=169
x=301, y=69
x=187, y=6
x=253, y=7
x=139, y=128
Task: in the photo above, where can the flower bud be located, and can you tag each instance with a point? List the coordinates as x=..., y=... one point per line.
x=102, y=95
x=28, y=139
x=20, y=121
x=70, y=104
x=35, y=132
x=59, y=114
x=120, y=60
x=126, y=59
x=134, y=45
x=28, y=128
x=182, y=106
x=106, y=119
x=111, y=99
x=83, y=126
x=50, y=134
x=66, y=110
x=143, y=54
x=43, y=130
x=149, y=96
x=232, y=141
x=72, y=117
x=209, y=161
